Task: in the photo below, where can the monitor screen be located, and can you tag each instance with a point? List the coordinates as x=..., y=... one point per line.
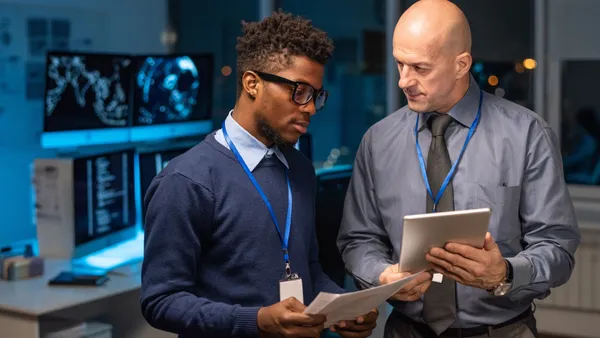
x=105, y=192
x=150, y=165
x=172, y=88
x=86, y=91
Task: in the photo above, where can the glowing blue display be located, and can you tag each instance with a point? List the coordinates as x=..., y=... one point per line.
x=172, y=89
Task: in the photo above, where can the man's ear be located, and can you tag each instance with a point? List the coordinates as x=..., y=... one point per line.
x=251, y=84
x=463, y=64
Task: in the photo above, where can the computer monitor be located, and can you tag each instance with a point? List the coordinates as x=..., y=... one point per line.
x=172, y=96
x=104, y=197
x=87, y=99
x=150, y=164
x=84, y=204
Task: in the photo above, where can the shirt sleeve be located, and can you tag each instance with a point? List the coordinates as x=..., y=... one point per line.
x=362, y=239
x=550, y=231
x=179, y=213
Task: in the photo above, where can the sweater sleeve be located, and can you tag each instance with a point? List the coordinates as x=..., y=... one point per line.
x=179, y=214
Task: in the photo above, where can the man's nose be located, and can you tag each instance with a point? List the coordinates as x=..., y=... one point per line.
x=406, y=79
x=310, y=107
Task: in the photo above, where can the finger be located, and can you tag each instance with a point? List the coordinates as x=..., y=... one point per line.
x=350, y=334
x=294, y=318
x=409, y=295
x=452, y=275
x=423, y=288
x=466, y=251
x=420, y=279
x=303, y=331
x=368, y=318
x=392, y=277
x=447, y=259
x=352, y=326
x=412, y=298
x=393, y=268
x=294, y=305
x=456, y=270
x=356, y=330
x=489, y=243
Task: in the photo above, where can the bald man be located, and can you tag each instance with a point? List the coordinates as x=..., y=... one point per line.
x=493, y=154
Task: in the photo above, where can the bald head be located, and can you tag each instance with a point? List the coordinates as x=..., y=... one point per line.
x=438, y=25
x=432, y=45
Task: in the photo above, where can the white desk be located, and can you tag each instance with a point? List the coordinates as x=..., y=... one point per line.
x=24, y=304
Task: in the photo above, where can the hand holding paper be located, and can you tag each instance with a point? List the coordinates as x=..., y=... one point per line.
x=350, y=306
x=413, y=289
x=361, y=327
x=286, y=318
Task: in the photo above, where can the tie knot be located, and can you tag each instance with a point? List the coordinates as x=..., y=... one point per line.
x=440, y=123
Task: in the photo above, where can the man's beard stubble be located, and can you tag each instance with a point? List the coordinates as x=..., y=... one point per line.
x=271, y=134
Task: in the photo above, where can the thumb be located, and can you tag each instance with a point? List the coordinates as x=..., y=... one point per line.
x=294, y=305
x=489, y=243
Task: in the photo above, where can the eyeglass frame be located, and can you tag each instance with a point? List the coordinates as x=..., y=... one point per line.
x=279, y=79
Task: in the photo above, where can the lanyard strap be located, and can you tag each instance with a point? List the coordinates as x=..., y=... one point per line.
x=285, y=237
x=437, y=198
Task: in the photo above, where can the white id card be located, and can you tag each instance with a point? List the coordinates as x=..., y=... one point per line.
x=291, y=287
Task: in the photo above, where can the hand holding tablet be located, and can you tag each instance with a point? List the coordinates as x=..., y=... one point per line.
x=455, y=244
x=423, y=232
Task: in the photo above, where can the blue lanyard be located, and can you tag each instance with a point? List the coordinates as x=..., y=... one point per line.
x=437, y=198
x=285, y=238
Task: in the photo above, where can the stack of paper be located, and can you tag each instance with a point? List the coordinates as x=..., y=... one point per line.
x=349, y=306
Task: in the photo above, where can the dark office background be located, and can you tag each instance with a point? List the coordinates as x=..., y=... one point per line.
x=503, y=36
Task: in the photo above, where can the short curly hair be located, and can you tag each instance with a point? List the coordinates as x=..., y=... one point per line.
x=267, y=45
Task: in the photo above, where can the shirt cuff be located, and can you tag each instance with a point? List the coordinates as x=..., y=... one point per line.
x=522, y=272
x=246, y=321
x=378, y=270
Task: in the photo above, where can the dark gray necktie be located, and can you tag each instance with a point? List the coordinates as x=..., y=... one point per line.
x=439, y=302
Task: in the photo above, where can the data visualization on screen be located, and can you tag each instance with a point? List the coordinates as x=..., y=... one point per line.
x=87, y=91
x=172, y=89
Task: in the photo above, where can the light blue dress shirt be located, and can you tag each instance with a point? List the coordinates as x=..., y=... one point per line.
x=250, y=148
x=512, y=165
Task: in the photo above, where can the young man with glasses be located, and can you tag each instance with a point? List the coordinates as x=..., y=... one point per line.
x=230, y=246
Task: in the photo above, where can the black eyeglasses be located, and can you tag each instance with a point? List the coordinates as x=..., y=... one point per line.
x=302, y=93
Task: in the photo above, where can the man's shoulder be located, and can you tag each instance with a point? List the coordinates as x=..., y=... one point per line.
x=197, y=163
x=514, y=115
x=388, y=129
x=391, y=122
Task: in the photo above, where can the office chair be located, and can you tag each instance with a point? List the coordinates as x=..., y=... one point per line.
x=332, y=184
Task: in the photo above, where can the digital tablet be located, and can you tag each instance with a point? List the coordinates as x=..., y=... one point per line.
x=425, y=231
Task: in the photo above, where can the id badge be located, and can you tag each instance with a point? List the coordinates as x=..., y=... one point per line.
x=291, y=287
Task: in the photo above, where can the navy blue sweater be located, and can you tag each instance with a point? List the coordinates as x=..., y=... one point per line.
x=212, y=254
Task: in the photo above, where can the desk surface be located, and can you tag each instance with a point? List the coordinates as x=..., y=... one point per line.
x=34, y=297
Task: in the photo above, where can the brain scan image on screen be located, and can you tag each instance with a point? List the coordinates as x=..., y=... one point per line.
x=86, y=92
x=170, y=89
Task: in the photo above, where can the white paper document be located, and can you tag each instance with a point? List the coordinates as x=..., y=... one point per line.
x=349, y=306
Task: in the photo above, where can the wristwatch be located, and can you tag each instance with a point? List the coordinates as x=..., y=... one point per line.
x=504, y=286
